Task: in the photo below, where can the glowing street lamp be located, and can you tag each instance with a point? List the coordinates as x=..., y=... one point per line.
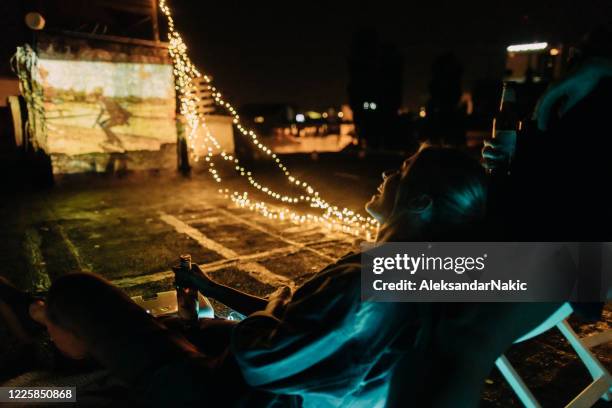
x=527, y=47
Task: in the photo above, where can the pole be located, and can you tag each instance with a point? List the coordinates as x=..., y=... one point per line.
x=154, y=20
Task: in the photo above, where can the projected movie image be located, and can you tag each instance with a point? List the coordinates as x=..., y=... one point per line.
x=107, y=107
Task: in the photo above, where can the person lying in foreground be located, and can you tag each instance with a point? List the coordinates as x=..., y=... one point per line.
x=321, y=346
x=97, y=326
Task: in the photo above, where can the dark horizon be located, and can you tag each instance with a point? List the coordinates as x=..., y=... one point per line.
x=271, y=53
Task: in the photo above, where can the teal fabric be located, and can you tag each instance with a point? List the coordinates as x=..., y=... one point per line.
x=327, y=346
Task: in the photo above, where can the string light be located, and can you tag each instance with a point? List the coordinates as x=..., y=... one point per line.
x=186, y=74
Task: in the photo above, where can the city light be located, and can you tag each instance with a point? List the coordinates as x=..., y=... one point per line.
x=554, y=51
x=527, y=47
x=366, y=106
x=259, y=119
x=300, y=118
x=369, y=105
x=422, y=112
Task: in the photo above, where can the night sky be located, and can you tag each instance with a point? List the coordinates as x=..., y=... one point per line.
x=296, y=51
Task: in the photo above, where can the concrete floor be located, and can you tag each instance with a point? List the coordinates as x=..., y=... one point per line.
x=131, y=230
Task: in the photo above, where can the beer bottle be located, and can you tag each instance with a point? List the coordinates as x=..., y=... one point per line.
x=186, y=297
x=506, y=125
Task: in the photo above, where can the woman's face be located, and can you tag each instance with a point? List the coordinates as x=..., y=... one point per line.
x=382, y=202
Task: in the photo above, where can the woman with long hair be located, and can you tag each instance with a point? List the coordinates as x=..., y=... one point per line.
x=320, y=346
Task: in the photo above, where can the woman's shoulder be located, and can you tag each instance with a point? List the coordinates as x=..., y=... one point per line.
x=340, y=274
x=350, y=260
x=347, y=263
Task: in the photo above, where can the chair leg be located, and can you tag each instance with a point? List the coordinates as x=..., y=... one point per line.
x=596, y=369
x=517, y=384
x=589, y=396
x=595, y=340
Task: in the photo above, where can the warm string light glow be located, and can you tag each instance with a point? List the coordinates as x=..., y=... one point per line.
x=185, y=74
x=241, y=200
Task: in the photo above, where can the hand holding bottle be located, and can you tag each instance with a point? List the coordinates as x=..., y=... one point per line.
x=497, y=153
x=186, y=293
x=194, y=278
x=498, y=150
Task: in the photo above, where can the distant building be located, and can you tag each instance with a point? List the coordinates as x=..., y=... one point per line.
x=267, y=116
x=533, y=62
x=285, y=120
x=532, y=67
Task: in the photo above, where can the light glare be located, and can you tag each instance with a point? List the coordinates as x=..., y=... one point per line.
x=527, y=47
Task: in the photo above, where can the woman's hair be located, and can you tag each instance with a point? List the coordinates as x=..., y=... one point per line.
x=456, y=185
x=82, y=302
x=110, y=323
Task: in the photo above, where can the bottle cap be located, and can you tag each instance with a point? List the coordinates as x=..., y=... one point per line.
x=185, y=260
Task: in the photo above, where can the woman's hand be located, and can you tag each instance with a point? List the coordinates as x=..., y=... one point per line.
x=566, y=93
x=195, y=278
x=495, y=154
x=278, y=300
x=235, y=299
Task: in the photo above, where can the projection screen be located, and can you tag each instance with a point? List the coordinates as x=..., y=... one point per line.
x=106, y=101
x=101, y=107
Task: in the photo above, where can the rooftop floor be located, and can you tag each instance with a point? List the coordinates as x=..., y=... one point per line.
x=132, y=230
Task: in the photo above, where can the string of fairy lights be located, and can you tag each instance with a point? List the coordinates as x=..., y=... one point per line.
x=186, y=75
